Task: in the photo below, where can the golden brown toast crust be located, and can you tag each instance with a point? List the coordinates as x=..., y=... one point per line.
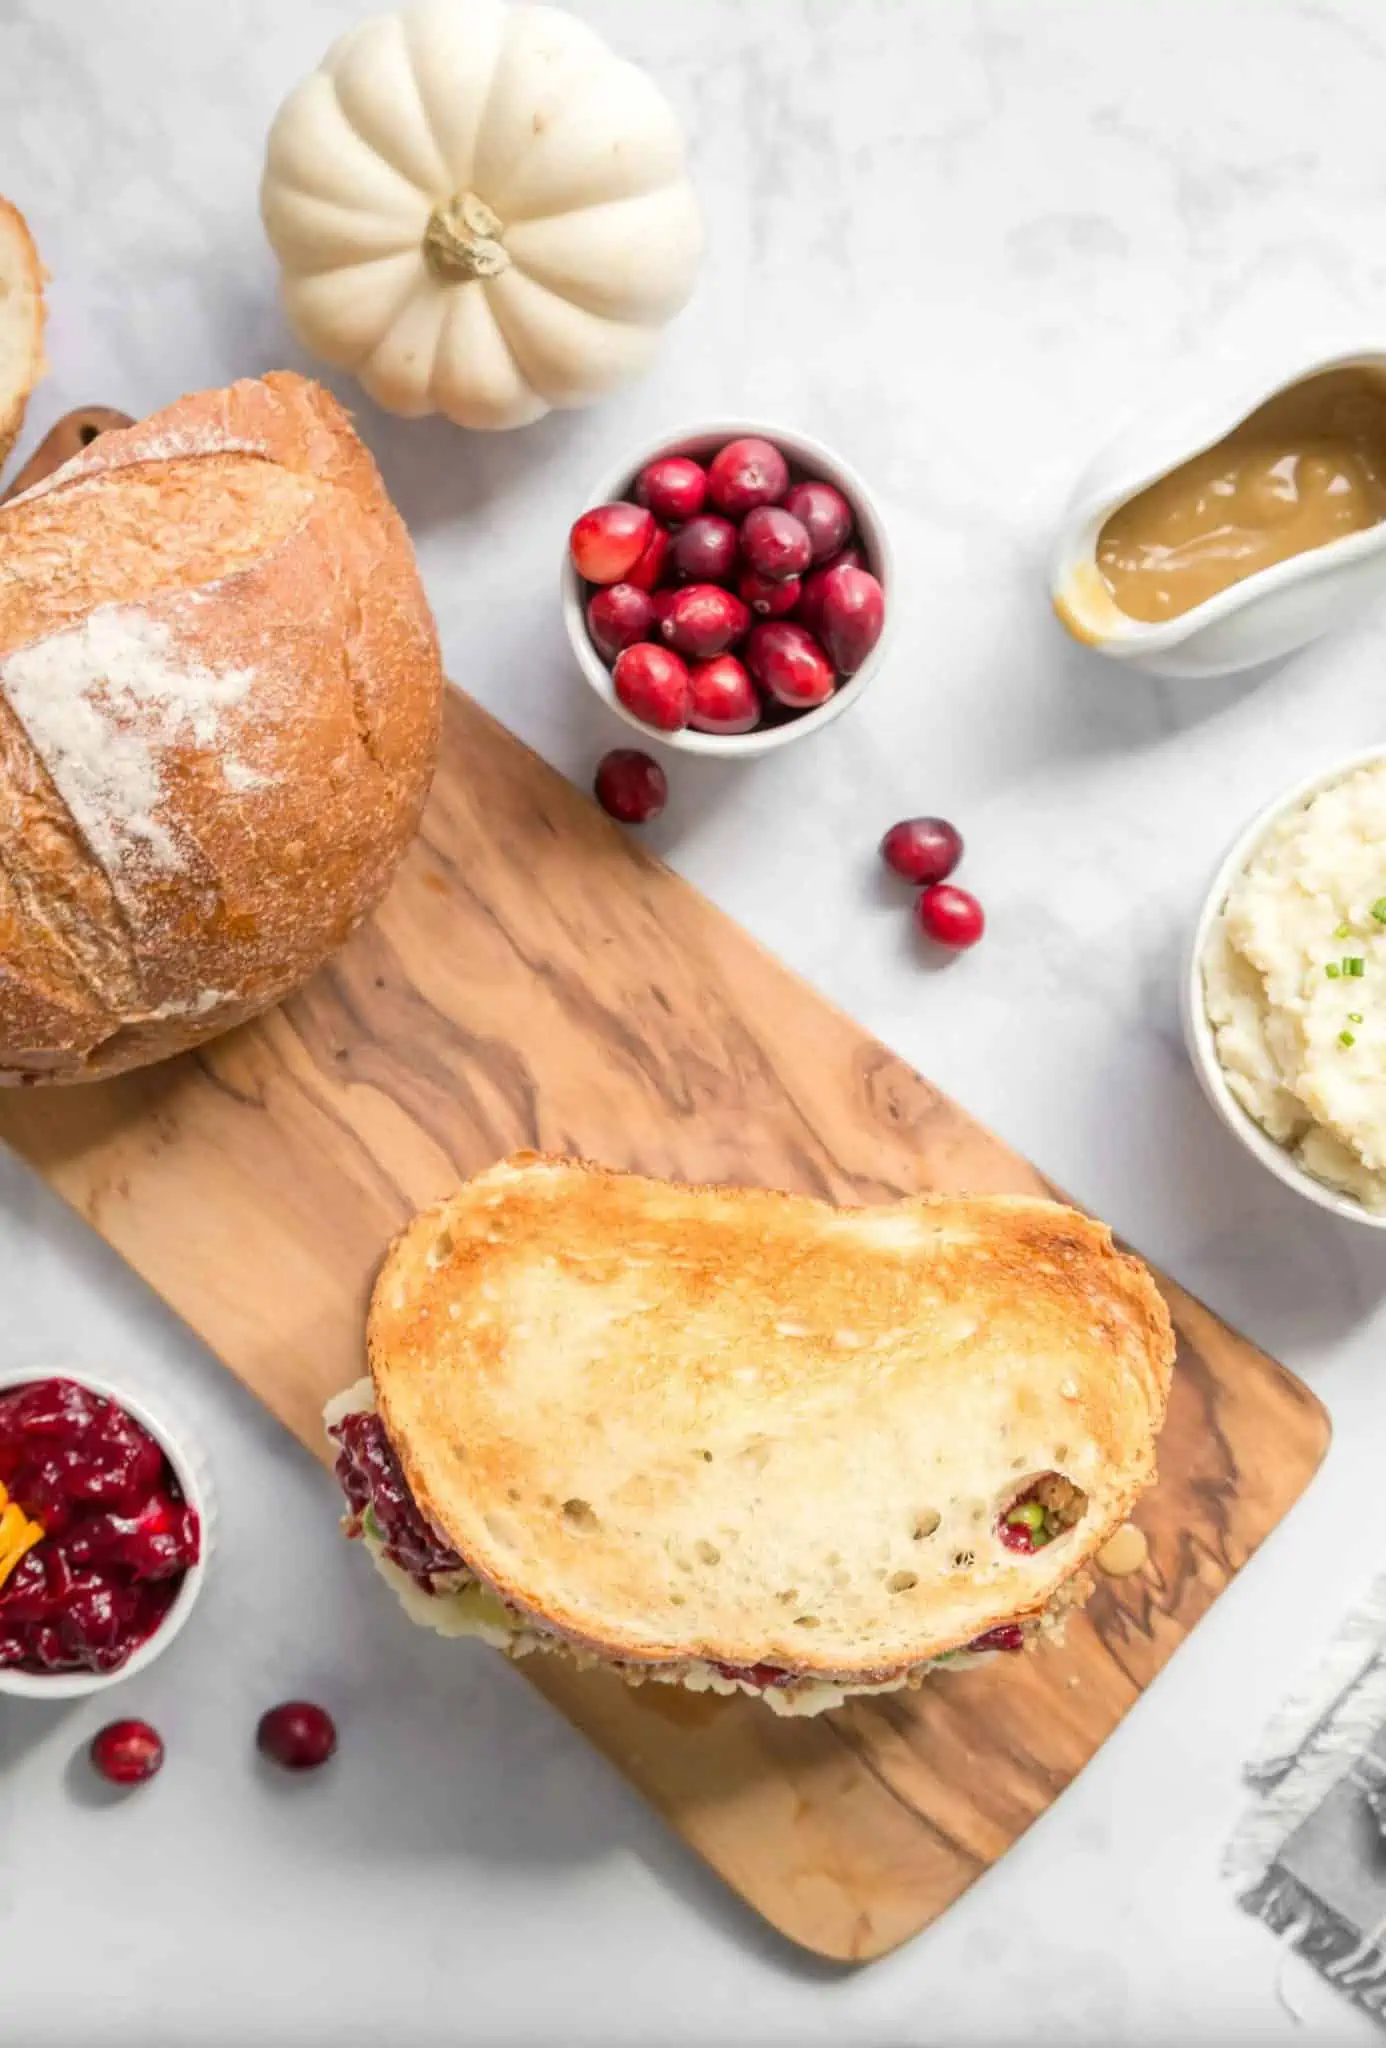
x=745, y=1427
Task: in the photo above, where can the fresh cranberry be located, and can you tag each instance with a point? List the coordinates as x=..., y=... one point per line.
x=851, y=613
x=724, y=697
x=617, y=617
x=952, y=917
x=704, y=620
x=630, y=787
x=126, y=1752
x=298, y=1736
x=922, y=849
x=705, y=550
x=745, y=474
x=774, y=544
x=674, y=488
x=810, y=612
x=825, y=515
x=1008, y=1636
x=761, y=1675
x=652, y=683
x=788, y=663
x=663, y=602
x=770, y=600
x=651, y=565
x=607, y=542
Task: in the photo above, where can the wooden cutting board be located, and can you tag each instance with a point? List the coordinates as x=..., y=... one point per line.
x=535, y=979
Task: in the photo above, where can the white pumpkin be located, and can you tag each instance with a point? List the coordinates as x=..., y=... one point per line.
x=481, y=211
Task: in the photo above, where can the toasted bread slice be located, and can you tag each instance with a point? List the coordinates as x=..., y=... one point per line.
x=729, y=1425
x=21, y=322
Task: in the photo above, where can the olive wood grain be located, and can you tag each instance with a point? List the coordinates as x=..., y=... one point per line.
x=535, y=979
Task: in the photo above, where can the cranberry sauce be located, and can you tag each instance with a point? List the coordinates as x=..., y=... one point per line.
x=117, y=1538
x=369, y=1474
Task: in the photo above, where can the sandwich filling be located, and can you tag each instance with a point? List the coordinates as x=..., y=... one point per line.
x=438, y=1588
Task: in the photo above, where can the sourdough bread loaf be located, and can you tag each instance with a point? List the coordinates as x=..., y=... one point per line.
x=219, y=704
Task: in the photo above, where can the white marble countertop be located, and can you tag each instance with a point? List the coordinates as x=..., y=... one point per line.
x=955, y=240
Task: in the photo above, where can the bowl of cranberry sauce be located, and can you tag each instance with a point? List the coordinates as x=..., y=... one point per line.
x=759, y=604
x=105, y=1525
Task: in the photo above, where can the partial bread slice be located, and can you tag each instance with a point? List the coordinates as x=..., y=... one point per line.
x=748, y=1428
x=21, y=322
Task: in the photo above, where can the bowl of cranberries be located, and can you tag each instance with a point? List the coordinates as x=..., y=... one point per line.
x=729, y=590
x=105, y=1525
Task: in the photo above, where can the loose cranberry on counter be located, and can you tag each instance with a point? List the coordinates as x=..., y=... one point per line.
x=824, y=513
x=774, y=544
x=704, y=620
x=952, y=917
x=630, y=787
x=922, y=849
x=652, y=683
x=619, y=616
x=789, y=664
x=674, y=488
x=126, y=1752
x=297, y=1735
x=607, y=542
x=851, y=613
x=1008, y=1636
x=768, y=599
x=745, y=474
x=724, y=697
x=705, y=550
x=651, y=565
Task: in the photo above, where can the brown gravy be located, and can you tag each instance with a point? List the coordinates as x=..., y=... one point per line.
x=1304, y=469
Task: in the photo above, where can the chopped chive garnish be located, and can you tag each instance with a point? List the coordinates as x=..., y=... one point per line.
x=1333, y=970
x=1346, y=1038
x=1379, y=910
x=1357, y=966
x=1344, y=931
x=1354, y=1016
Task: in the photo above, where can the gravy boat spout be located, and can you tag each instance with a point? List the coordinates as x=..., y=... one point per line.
x=1264, y=615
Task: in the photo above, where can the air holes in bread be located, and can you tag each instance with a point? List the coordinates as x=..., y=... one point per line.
x=707, y=1553
x=580, y=1514
x=788, y=1596
x=963, y=1560
x=925, y=1523
x=1039, y=1511
x=806, y=1621
x=902, y=1582
x=442, y=1248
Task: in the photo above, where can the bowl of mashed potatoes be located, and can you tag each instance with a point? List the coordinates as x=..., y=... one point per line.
x=1285, y=995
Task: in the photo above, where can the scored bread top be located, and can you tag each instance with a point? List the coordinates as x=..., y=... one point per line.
x=21, y=322
x=220, y=694
x=747, y=1427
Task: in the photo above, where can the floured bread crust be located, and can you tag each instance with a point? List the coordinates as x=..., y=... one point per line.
x=220, y=697
x=745, y=1427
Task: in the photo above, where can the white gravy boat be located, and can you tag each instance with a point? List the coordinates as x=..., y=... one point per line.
x=1265, y=615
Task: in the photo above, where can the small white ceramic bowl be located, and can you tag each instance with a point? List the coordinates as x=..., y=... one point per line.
x=193, y=1473
x=1198, y=1032
x=814, y=460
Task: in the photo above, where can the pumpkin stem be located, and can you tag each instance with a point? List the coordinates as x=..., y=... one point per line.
x=463, y=240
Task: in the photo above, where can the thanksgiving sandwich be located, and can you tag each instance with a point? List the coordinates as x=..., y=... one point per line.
x=745, y=1442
